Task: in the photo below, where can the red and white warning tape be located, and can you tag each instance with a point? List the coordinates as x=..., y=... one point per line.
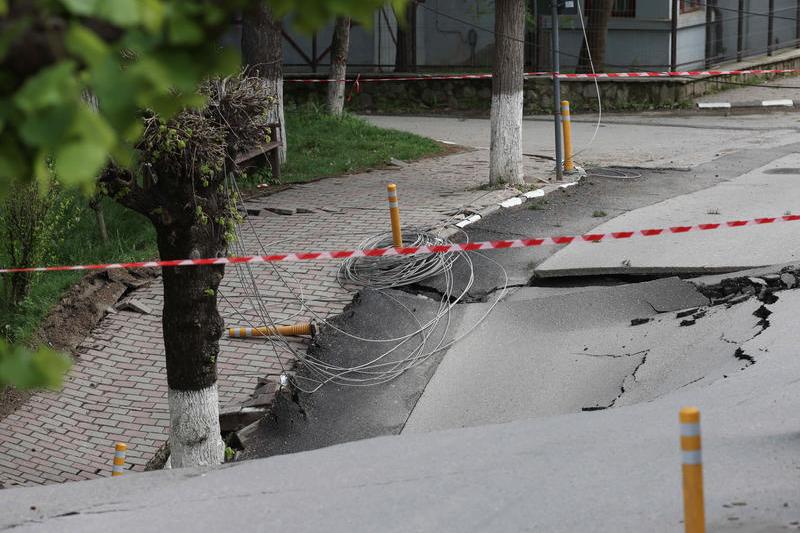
x=680, y=74
x=421, y=250
x=599, y=75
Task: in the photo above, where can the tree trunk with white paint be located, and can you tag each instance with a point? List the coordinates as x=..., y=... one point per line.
x=262, y=53
x=505, y=165
x=194, y=438
x=340, y=46
x=192, y=326
x=186, y=199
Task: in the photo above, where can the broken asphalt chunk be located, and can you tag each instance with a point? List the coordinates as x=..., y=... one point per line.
x=687, y=312
x=286, y=211
x=237, y=417
x=788, y=280
x=132, y=304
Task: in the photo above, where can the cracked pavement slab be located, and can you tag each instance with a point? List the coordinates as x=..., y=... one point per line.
x=759, y=193
x=537, y=355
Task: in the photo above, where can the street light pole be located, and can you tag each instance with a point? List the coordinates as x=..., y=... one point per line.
x=557, y=90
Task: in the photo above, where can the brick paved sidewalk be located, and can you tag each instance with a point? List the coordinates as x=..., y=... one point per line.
x=117, y=388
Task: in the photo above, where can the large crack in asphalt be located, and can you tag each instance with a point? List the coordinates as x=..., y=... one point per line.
x=625, y=380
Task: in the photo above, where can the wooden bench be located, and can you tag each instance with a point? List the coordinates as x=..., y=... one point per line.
x=270, y=152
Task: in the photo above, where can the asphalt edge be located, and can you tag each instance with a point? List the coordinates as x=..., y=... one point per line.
x=450, y=230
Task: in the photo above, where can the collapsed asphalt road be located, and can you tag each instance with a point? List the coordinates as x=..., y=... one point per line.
x=608, y=470
x=589, y=374
x=336, y=414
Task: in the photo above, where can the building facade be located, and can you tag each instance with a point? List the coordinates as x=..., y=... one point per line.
x=643, y=35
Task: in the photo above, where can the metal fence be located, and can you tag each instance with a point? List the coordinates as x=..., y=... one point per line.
x=458, y=35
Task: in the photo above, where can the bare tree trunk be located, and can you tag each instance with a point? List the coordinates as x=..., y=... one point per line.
x=94, y=203
x=505, y=165
x=406, y=53
x=596, y=34
x=262, y=52
x=340, y=47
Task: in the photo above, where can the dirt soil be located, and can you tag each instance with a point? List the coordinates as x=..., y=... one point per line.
x=71, y=320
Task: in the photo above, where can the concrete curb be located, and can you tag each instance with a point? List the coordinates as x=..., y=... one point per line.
x=515, y=201
x=750, y=104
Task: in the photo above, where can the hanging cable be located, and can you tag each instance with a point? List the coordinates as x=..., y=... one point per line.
x=596, y=84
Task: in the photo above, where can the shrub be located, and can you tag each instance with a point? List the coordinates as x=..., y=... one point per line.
x=33, y=224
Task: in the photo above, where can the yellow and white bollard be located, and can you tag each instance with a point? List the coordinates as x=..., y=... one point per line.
x=119, y=459
x=691, y=448
x=278, y=331
x=394, y=213
x=566, y=119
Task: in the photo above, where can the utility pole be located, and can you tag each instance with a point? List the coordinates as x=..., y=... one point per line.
x=557, y=89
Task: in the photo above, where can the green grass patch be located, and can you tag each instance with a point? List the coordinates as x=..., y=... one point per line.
x=319, y=146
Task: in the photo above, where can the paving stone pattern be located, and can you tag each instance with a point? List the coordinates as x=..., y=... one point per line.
x=117, y=389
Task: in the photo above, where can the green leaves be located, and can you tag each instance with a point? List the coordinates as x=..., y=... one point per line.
x=123, y=13
x=86, y=45
x=31, y=370
x=49, y=88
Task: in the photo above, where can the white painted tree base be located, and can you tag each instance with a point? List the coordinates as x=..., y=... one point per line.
x=505, y=161
x=194, y=438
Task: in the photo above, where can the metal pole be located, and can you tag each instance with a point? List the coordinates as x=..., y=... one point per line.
x=797, y=24
x=708, y=34
x=740, y=34
x=771, y=29
x=540, y=44
x=674, y=50
x=314, y=52
x=557, y=90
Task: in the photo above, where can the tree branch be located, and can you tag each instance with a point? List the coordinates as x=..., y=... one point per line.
x=120, y=184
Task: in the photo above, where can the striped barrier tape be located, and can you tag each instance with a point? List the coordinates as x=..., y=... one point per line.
x=531, y=242
x=599, y=75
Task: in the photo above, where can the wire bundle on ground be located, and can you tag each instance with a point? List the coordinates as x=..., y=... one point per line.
x=395, y=271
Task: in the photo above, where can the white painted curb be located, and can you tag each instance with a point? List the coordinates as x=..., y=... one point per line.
x=734, y=105
x=516, y=201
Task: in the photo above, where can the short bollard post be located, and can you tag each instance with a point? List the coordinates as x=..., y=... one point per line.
x=394, y=213
x=566, y=119
x=119, y=459
x=691, y=448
